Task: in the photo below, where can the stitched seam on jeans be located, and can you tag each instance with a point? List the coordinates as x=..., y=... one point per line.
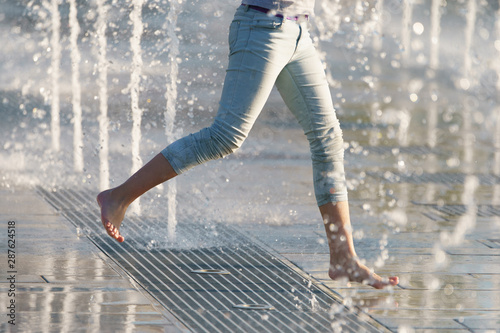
x=303, y=100
x=245, y=50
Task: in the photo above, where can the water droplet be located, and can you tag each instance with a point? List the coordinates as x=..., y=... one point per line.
x=497, y=45
x=464, y=84
x=418, y=28
x=448, y=289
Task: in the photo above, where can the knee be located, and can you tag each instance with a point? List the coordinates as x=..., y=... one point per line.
x=327, y=146
x=225, y=141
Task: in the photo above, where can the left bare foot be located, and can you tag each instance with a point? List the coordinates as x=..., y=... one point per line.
x=112, y=214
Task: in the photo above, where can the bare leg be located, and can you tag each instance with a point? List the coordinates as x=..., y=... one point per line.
x=114, y=202
x=344, y=262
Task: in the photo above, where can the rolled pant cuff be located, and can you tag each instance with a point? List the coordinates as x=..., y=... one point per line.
x=334, y=199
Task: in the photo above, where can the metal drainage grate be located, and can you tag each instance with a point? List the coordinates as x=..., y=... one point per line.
x=491, y=243
x=411, y=150
x=438, y=178
x=260, y=293
x=459, y=210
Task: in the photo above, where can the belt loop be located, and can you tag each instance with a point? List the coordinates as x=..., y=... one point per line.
x=247, y=7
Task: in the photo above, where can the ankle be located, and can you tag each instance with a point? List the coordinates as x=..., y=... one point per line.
x=343, y=259
x=116, y=197
x=123, y=197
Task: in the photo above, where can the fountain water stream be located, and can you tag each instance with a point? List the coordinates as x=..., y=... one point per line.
x=469, y=139
x=433, y=94
x=102, y=83
x=435, y=30
x=75, y=84
x=496, y=165
x=170, y=112
x=469, y=32
x=135, y=81
x=406, y=29
x=55, y=74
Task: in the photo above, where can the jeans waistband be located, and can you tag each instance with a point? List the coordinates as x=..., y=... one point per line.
x=267, y=11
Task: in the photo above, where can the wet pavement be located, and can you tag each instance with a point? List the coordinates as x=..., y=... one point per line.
x=63, y=282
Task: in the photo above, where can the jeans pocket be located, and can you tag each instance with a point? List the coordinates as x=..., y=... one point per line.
x=233, y=34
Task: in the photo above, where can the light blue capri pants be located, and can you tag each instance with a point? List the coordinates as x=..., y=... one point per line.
x=264, y=51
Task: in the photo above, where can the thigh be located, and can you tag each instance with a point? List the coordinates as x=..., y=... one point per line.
x=304, y=88
x=259, y=49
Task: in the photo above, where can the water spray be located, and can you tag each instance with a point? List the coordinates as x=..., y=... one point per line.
x=170, y=112
x=102, y=82
x=135, y=80
x=75, y=84
x=406, y=31
x=55, y=73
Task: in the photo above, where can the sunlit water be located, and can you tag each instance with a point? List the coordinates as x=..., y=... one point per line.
x=135, y=86
x=91, y=90
x=76, y=87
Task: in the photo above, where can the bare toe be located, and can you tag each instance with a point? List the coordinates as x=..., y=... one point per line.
x=357, y=272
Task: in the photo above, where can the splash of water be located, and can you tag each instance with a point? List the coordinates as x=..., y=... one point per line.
x=103, y=96
x=404, y=126
x=469, y=140
x=315, y=307
x=328, y=21
x=496, y=166
x=432, y=138
x=75, y=84
x=56, y=62
x=326, y=28
x=135, y=80
x=432, y=116
x=467, y=222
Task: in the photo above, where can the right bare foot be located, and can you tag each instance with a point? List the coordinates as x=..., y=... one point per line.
x=112, y=214
x=354, y=271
